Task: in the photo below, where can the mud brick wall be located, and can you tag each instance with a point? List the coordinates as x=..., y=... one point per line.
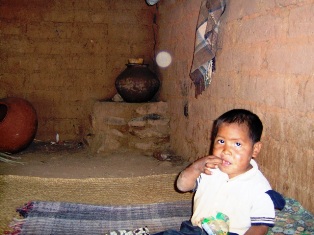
x=265, y=64
x=63, y=55
x=143, y=127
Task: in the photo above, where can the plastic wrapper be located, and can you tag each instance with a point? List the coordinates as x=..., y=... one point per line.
x=218, y=225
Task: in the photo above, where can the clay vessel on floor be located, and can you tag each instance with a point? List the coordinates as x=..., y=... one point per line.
x=18, y=124
x=137, y=84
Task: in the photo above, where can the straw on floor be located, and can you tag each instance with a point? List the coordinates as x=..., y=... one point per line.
x=123, y=193
x=17, y=190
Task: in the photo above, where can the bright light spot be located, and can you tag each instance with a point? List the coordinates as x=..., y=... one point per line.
x=163, y=59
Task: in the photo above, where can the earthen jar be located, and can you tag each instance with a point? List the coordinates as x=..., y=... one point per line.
x=137, y=84
x=18, y=124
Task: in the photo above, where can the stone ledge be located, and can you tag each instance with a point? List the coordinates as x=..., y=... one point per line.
x=134, y=126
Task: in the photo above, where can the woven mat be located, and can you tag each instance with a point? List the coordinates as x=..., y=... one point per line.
x=74, y=218
x=16, y=190
x=60, y=218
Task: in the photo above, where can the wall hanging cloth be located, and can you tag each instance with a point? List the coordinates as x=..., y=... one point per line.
x=206, y=41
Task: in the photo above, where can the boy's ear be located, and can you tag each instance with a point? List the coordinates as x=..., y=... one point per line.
x=256, y=149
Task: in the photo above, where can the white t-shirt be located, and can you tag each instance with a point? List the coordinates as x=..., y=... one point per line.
x=243, y=199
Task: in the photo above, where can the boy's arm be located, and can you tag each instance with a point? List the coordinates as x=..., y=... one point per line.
x=257, y=230
x=187, y=178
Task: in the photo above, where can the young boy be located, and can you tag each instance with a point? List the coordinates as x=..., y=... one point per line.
x=229, y=181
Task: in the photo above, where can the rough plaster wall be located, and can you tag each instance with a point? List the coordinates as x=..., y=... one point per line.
x=265, y=64
x=62, y=55
x=176, y=22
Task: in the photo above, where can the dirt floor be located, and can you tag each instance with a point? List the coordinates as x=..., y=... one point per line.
x=73, y=160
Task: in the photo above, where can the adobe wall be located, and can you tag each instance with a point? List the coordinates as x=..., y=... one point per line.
x=62, y=56
x=265, y=64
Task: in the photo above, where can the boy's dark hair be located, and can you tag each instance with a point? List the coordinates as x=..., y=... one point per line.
x=241, y=116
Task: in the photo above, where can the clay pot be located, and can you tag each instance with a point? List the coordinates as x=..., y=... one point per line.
x=18, y=124
x=137, y=84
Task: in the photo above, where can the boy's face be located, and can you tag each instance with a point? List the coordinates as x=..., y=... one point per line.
x=234, y=146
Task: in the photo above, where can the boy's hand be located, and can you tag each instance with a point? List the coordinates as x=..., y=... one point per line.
x=210, y=162
x=187, y=178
